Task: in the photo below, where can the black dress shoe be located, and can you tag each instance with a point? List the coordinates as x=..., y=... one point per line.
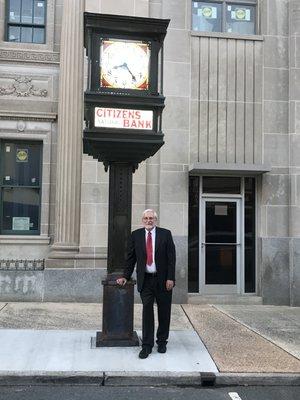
x=144, y=353
x=162, y=348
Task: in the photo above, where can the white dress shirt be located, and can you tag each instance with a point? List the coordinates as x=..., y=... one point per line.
x=151, y=268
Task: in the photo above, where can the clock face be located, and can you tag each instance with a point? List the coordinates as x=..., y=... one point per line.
x=124, y=64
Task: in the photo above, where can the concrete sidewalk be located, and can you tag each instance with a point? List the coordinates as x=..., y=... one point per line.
x=236, y=344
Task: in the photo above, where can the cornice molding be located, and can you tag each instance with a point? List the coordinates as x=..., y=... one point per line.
x=30, y=116
x=29, y=56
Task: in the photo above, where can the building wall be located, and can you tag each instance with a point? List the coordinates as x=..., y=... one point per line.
x=229, y=100
x=276, y=186
x=174, y=155
x=226, y=99
x=29, y=78
x=294, y=145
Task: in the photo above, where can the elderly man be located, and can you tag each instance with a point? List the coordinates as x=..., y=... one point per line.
x=153, y=251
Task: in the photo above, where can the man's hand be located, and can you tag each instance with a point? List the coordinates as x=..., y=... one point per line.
x=121, y=281
x=169, y=285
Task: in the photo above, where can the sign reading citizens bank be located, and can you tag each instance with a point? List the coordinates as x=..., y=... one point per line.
x=123, y=118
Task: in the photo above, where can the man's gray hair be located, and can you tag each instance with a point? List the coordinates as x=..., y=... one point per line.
x=152, y=211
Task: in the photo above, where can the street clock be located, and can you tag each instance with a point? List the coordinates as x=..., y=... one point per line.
x=123, y=107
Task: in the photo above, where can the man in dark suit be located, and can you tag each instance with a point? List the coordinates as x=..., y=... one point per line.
x=153, y=251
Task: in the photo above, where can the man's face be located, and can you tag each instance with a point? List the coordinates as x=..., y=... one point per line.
x=149, y=221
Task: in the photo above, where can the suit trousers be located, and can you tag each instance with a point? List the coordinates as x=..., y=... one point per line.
x=151, y=292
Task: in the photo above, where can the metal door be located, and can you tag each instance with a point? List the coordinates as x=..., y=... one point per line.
x=220, y=250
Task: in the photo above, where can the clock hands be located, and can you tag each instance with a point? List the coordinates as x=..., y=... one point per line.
x=133, y=77
x=125, y=66
x=119, y=66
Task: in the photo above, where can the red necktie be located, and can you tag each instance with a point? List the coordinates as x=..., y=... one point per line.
x=149, y=249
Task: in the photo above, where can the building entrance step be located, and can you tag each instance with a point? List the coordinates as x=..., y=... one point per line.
x=223, y=299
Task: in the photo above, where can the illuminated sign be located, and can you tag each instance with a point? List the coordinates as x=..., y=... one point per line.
x=123, y=118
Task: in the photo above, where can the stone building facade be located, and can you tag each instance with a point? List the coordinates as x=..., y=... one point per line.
x=226, y=182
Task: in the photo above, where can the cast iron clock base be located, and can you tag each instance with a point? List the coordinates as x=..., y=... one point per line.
x=117, y=318
x=103, y=341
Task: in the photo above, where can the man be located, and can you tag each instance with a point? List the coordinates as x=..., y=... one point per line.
x=153, y=251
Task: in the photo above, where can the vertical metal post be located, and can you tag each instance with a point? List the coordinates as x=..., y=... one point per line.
x=117, y=317
x=119, y=215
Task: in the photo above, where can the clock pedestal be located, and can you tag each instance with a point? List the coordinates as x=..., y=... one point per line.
x=117, y=316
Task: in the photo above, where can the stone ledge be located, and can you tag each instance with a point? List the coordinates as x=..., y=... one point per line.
x=29, y=115
x=24, y=239
x=227, y=35
x=238, y=169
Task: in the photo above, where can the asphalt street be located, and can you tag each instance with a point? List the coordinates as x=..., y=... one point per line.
x=93, y=392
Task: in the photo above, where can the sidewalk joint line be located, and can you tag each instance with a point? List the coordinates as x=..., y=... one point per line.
x=254, y=331
x=3, y=307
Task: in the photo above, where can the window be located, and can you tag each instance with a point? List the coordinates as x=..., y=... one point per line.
x=249, y=226
x=193, y=236
x=20, y=187
x=221, y=184
x=224, y=16
x=26, y=21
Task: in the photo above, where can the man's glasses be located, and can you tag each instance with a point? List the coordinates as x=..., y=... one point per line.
x=148, y=218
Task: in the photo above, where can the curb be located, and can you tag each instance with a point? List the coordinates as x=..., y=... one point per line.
x=191, y=379
x=157, y=379
x=40, y=378
x=257, y=379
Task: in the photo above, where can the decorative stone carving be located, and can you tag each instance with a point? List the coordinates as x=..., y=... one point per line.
x=30, y=56
x=31, y=265
x=22, y=87
x=21, y=126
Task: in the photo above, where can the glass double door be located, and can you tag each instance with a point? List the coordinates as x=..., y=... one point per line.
x=220, y=249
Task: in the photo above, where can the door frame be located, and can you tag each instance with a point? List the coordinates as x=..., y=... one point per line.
x=222, y=289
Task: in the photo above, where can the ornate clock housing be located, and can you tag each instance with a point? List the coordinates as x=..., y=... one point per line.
x=124, y=64
x=124, y=98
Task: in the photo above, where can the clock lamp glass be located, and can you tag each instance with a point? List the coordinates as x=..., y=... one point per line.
x=124, y=64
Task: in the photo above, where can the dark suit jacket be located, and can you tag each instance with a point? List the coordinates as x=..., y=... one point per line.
x=165, y=257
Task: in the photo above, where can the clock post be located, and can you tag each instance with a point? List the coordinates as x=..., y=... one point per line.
x=123, y=111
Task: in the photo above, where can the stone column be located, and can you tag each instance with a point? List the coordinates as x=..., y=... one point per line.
x=153, y=165
x=294, y=145
x=174, y=155
x=70, y=125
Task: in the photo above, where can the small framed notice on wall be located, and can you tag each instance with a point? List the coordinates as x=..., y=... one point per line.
x=21, y=224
